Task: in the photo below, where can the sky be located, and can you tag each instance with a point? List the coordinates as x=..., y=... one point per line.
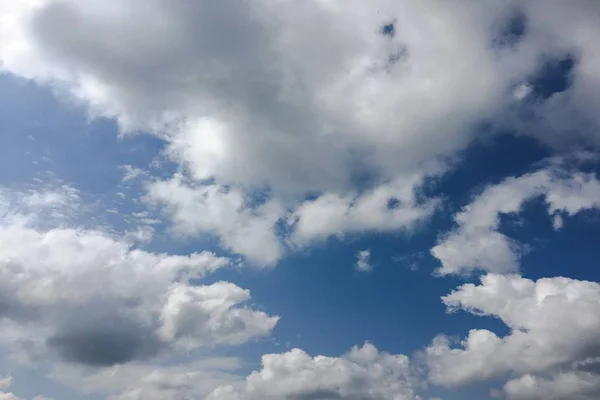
x=299, y=200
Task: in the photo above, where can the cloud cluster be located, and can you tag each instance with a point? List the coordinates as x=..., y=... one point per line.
x=152, y=381
x=309, y=98
x=477, y=242
x=553, y=340
x=224, y=212
x=95, y=300
x=283, y=94
x=364, y=373
x=255, y=230
x=388, y=207
x=291, y=122
x=551, y=350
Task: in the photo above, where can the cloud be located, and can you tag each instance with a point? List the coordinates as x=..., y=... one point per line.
x=231, y=94
x=240, y=110
x=477, y=242
x=558, y=109
x=228, y=89
x=363, y=262
x=364, y=373
x=96, y=300
x=5, y=384
x=563, y=386
x=197, y=315
x=387, y=207
x=46, y=206
x=131, y=172
x=253, y=230
x=8, y=396
x=221, y=211
x=553, y=330
x=290, y=123
x=152, y=381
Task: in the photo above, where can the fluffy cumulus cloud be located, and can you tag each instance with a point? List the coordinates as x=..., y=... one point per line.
x=221, y=211
x=278, y=93
x=387, y=207
x=307, y=98
x=563, y=386
x=254, y=230
x=364, y=373
x=553, y=341
x=289, y=123
x=477, y=242
x=96, y=300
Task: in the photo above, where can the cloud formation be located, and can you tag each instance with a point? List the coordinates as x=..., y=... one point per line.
x=553, y=332
x=308, y=99
x=364, y=373
x=363, y=261
x=96, y=300
x=478, y=244
x=290, y=123
x=152, y=381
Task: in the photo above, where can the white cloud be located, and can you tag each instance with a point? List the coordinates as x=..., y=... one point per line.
x=251, y=230
x=477, y=243
x=96, y=300
x=131, y=173
x=522, y=91
x=8, y=396
x=197, y=315
x=221, y=211
x=572, y=385
x=387, y=207
x=363, y=260
x=230, y=92
x=553, y=330
x=5, y=382
x=364, y=373
x=304, y=98
x=563, y=386
x=299, y=96
x=149, y=381
x=48, y=206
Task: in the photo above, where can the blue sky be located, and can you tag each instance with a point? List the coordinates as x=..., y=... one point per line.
x=299, y=201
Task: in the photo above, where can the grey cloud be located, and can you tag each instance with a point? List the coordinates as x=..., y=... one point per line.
x=96, y=300
x=323, y=394
x=301, y=97
x=105, y=341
